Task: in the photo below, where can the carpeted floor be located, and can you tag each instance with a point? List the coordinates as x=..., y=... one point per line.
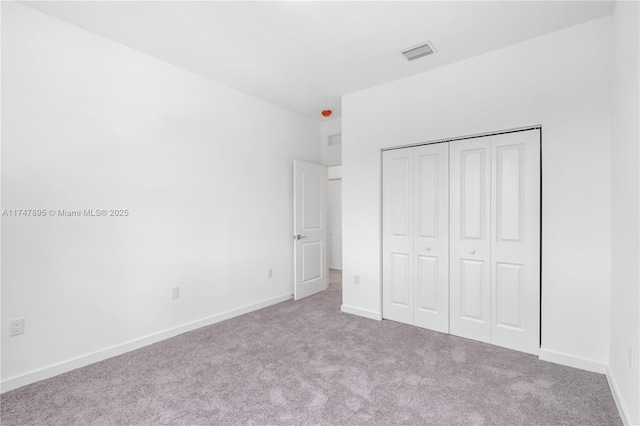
x=306, y=362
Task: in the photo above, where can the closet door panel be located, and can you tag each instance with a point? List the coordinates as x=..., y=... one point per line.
x=470, y=254
x=515, y=268
x=431, y=236
x=397, y=235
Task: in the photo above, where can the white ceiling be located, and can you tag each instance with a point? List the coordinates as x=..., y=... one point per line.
x=304, y=55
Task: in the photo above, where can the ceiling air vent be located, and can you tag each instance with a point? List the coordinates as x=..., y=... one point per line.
x=334, y=140
x=419, y=51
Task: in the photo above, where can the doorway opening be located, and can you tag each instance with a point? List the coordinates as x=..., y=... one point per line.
x=334, y=217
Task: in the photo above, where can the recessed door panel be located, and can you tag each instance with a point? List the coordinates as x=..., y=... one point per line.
x=509, y=192
x=312, y=196
x=427, y=284
x=400, y=212
x=473, y=193
x=509, y=295
x=400, y=279
x=431, y=237
x=427, y=192
x=472, y=285
x=470, y=252
x=312, y=261
x=515, y=228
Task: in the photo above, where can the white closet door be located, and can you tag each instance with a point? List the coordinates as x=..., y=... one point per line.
x=431, y=237
x=515, y=266
x=470, y=267
x=397, y=239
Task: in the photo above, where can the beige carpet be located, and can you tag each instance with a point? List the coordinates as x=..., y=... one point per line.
x=306, y=362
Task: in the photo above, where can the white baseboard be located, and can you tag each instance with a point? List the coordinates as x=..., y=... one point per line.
x=91, y=358
x=572, y=361
x=615, y=391
x=361, y=312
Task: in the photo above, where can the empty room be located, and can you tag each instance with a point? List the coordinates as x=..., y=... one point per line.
x=320, y=212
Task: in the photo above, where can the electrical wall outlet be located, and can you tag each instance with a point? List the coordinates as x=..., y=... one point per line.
x=356, y=279
x=16, y=326
x=175, y=292
x=270, y=273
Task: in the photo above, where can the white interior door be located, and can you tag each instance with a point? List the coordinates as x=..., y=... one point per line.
x=470, y=267
x=397, y=235
x=515, y=265
x=310, y=230
x=431, y=236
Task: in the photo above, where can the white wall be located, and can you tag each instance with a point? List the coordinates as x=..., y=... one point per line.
x=331, y=156
x=625, y=231
x=205, y=172
x=560, y=81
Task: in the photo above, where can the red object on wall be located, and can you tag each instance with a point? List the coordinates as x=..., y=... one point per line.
x=326, y=112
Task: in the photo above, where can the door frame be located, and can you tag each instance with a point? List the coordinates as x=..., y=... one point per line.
x=453, y=139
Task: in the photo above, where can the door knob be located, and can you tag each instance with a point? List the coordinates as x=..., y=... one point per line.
x=472, y=251
x=299, y=237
